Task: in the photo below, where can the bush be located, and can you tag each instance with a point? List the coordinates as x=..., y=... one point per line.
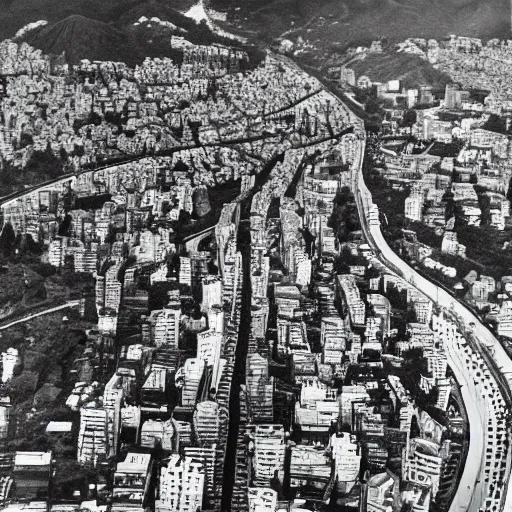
x=345, y=216
x=26, y=140
x=44, y=164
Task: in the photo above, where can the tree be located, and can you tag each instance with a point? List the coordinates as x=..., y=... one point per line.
x=414, y=367
x=509, y=191
x=183, y=104
x=410, y=118
x=345, y=217
x=343, y=196
x=79, y=150
x=111, y=236
x=65, y=226
x=94, y=118
x=28, y=246
x=113, y=118
x=68, y=273
x=212, y=268
x=7, y=239
x=26, y=140
x=8, y=174
x=495, y=124
x=44, y=163
x=372, y=106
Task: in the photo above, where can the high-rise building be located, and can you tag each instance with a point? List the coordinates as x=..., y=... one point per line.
x=350, y=300
x=154, y=391
x=421, y=464
x=309, y=467
x=350, y=398
x=112, y=400
x=302, y=268
x=209, y=422
x=132, y=479
x=181, y=486
x=56, y=253
x=185, y=271
x=216, y=319
x=260, y=389
x=212, y=292
x=414, y=204
x=348, y=76
x=5, y=414
x=425, y=96
x=333, y=337
x=383, y=489
x=113, y=288
x=209, y=347
x=453, y=97
x=93, y=436
x=269, y=453
x=31, y=475
x=166, y=325
x=192, y=374
x=262, y=499
x=347, y=460
x=10, y=358
x=206, y=460
x=157, y=433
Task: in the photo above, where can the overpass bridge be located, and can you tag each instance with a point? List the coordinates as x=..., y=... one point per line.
x=192, y=242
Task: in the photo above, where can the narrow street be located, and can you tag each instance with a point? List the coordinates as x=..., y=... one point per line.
x=244, y=246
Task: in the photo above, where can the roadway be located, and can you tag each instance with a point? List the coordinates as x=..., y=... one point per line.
x=63, y=178
x=70, y=304
x=476, y=411
x=469, y=494
x=192, y=242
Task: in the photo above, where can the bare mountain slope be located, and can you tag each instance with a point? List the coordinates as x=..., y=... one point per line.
x=80, y=37
x=17, y=13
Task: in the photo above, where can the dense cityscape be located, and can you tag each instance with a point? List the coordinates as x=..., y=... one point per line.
x=236, y=282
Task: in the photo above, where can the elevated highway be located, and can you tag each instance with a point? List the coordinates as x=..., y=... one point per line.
x=470, y=494
x=67, y=305
x=192, y=242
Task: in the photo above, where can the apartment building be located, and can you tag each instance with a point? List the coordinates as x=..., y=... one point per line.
x=269, y=453
x=132, y=479
x=181, y=486
x=93, y=446
x=350, y=300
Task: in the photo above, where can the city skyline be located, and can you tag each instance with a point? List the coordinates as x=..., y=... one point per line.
x=248, y=275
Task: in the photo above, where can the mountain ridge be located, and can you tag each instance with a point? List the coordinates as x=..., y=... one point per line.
x=18, y=13
x=81, y=37
x=344, y=23
x=410, y=69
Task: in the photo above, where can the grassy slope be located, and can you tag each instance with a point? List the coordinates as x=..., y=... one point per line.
x=411, y=69
x=44, y=373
